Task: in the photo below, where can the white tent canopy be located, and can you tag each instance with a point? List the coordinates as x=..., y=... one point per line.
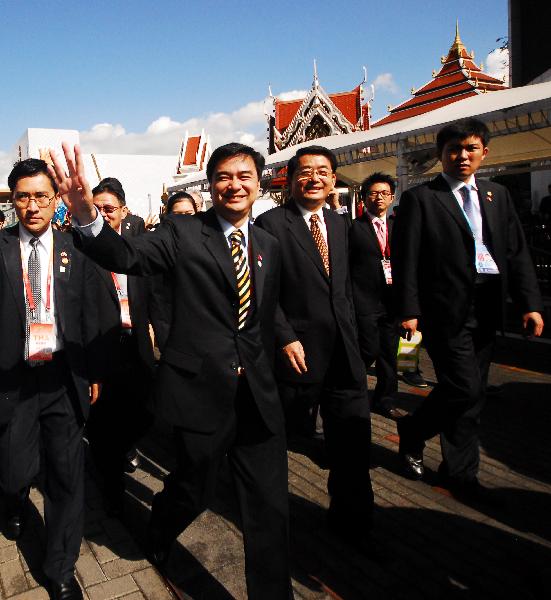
x=519, y=120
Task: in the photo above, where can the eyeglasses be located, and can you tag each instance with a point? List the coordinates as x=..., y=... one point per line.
x=107, y=209
x=383, y=194
x=22, y=199
x=307, y=174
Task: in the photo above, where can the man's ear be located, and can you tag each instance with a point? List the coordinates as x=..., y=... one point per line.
x=484, y=152
x=124, y=211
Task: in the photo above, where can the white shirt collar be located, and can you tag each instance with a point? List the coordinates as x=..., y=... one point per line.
x=375, y=217
x=228, y=229
x=456, y=184
x=307, y=213
x=45, y=239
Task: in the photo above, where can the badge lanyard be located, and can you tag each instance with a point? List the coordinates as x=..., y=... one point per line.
x=27, y=283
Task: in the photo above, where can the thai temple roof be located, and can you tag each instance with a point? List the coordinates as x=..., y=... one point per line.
x=194, y=152
x=459, y=77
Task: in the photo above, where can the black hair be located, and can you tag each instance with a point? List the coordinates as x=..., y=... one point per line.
x=461, y=130
x=377, y=177
x=293, y=163
x=29, y=168
x=112, y=185
x=2, y=216
x=234, y=149
x=176, y=197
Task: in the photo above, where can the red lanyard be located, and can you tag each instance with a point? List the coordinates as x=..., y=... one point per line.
x=27, y=283
x=117, y=285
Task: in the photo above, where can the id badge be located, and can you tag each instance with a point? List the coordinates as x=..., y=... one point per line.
x=126, y=321
x=387, y=270
x=41, y=341
x=484, y=262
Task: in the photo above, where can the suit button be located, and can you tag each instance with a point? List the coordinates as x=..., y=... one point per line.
x=233, y=366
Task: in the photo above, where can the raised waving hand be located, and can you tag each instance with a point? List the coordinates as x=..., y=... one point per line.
x=73, y=187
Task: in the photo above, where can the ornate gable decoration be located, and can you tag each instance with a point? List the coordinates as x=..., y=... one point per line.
x=318, y=115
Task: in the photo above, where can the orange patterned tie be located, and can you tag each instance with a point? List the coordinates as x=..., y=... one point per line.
x=320, y=241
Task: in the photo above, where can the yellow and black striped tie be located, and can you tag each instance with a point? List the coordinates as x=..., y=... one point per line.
x=243, y=276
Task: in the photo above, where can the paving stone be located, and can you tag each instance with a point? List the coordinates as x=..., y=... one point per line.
x=116, y=588
x=8, y=553
x=152, y=585
x=121, y=566
x=89, y=571
x=12, y=578
x=35, y=594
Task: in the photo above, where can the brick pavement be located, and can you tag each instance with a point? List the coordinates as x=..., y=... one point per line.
x=428, y=544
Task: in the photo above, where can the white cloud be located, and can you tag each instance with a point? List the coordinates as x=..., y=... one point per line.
x=163, y=136
x=293, y=95
x=385, y=83
x=497, y=64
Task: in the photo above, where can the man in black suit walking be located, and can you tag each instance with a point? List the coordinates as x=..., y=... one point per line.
x=371, y=275
x=318, y=358
x=458, y=250
x=216, y=383
x=119, y=417
x=48, y=319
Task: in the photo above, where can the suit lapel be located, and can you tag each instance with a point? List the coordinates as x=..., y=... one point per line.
x=371, y=233
x=11, y=255
x=488, y=209
x=256, y=258
x=299, y=230
x=63, y=259
x=217, y=245
x=335, y=248
x=444, y=195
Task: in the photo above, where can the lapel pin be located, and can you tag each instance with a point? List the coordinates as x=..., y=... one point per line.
x=128, y=226
x=61, y=269
x=63, y=253
x=65, y=260
x=489, y=196
x=259, y=260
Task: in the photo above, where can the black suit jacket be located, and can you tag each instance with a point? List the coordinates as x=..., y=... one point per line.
x=371, y=293
x=76, y=317
x=198, y=374
x=132, y=225
x=433, y=255
x=314, y=308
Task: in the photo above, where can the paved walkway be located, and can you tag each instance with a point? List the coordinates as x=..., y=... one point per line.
x=430, y=545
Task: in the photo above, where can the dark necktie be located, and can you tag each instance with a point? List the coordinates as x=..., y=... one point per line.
x=33, y=270
x=320, y=241
x=243, y=276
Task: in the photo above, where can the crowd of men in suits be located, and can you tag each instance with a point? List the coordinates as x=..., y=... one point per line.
x=259, y=326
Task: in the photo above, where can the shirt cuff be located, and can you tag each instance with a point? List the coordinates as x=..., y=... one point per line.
x=343, y=210
x=93, y=229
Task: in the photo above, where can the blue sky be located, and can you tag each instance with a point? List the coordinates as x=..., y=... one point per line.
x=127, y=64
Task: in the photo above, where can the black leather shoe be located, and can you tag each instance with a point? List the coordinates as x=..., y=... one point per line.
x=67, y=590
x=412, y=465
x=415, y=379
x=15, y=524
x=390, y=412
x=132, y=461
x=157, y=550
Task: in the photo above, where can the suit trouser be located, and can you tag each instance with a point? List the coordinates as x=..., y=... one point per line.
x=119, y=417
x=461, y=362
x=44, y=417
x=378, y=337
x=258, y=464
x=344, y=408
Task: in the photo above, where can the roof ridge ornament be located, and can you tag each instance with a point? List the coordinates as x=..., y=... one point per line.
x=316, y=80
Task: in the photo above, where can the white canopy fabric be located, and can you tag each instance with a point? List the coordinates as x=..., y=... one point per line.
x=519, y=120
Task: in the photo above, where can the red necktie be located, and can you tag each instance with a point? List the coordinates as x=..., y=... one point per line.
x=320, y=241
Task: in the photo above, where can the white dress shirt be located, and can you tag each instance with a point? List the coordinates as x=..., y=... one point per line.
x=45, y=251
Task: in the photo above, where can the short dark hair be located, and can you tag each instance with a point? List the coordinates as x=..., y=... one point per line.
x=377, y=177
x=293, y=163
x=2, y=216
x=112, y=185
x=234, y=149
x=176, y=197
x=29, y=168
x=461, y=130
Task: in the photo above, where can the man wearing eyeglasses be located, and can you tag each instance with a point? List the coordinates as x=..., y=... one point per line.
x=119, y=417
x=47, y=321
x=318, y=358
x=371, y=274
